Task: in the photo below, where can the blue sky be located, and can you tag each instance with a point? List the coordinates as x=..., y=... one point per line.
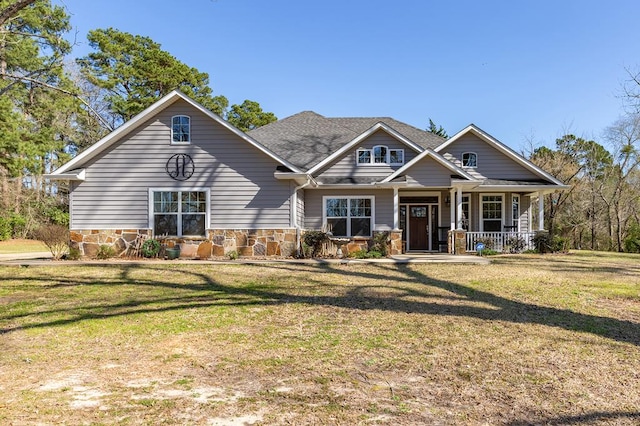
x=521, y=70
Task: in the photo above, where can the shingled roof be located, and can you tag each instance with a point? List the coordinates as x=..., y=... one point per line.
x=307, y=138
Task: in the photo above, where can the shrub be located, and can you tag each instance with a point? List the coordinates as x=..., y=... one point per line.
x=515, y=244
x=5, y=229
x=233, y=255
x=150, y=248
x=315, y=239
x=547, y=243
x=105, y=252
x=366, y=254
x=55, y=237
x=380, y=243
x=632, y=241
x=73, y=254
x=489, y=243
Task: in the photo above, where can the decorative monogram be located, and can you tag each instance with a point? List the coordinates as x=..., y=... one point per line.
x=180, y=166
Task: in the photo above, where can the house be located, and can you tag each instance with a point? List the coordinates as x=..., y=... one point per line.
x=180, y=172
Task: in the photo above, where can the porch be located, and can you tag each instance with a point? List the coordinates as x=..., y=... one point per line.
x=505, y=242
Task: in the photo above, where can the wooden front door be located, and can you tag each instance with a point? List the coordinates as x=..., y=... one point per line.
x=418, y=227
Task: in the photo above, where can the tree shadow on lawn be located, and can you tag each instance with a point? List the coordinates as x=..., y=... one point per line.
x=588, y=418
x=438, y=298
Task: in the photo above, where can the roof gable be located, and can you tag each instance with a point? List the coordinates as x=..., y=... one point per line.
x=158, y=106
x=438, y=158
x=501, y=148
x=359, y=139
x=308, y=139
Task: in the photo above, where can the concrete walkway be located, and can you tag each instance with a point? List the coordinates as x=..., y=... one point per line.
x=45, y=258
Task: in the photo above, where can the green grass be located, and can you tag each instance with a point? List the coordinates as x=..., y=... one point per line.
x=22, y=246
x=526, y=340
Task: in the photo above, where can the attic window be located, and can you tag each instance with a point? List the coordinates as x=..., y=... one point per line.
x=180, y=129
x=469, y=159
x=380, y=154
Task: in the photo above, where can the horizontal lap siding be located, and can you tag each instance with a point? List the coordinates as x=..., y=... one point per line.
x=244, y=193
x=347, y=166
x=383, y=206
x=492, y=163
x=428, y=172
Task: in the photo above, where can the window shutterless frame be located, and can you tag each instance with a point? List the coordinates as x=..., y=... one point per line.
x=348, y=213
x=380, y=155
x=185, y=208
x=180, y=129
x=470, y=160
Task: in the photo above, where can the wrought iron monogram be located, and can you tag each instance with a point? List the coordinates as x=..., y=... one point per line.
x=180, y=166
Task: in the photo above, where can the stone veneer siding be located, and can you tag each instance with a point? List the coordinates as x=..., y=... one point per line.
x=219, y=242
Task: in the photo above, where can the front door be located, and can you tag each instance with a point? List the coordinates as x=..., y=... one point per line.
x=418, y=228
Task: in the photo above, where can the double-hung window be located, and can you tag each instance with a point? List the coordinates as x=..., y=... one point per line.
x=179, y=213
x=180, y=129
x=349, y=216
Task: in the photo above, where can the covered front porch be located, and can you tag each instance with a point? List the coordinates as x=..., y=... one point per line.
x=454, y=220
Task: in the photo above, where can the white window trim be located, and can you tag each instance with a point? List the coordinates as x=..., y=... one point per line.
x=207, y=220
x=349, y=198
x=389, y=156
x=462, y=160
x=517, y=220
x=358, y=151
x=181, y=142
x=480, y=214
x=387, y=160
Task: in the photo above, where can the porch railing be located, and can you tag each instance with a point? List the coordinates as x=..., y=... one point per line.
x=506, y=242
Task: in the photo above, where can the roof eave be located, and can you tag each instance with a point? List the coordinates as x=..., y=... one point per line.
x=78, y=175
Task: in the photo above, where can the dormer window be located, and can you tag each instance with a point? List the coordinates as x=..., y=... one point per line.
x=180, y=129
x=380, y=154
x=469, y=159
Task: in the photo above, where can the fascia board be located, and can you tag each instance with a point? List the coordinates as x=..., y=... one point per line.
x=78, y=175
x=440, y=159
x=523, y=188
x=500, y=147
x=378, y=126
x=158, y=106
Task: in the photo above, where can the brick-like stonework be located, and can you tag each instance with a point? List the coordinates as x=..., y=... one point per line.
x=123, y=241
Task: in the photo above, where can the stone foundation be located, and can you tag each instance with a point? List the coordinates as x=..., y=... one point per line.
x=219, y=242
x=122, y=241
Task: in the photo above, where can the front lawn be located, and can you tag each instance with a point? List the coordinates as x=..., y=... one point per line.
x=526, y=340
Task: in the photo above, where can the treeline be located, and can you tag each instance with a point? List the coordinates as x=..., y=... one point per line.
x=601, y=211
x=52, y=107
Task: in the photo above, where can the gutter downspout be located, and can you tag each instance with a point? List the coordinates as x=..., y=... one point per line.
x=294, y=213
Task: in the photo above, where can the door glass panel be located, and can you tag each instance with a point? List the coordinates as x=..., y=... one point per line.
x=418, y=212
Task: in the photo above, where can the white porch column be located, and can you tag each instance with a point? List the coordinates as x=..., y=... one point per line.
x=459, y=208
x=540, y=211
x=396, y=209
x=452, y=208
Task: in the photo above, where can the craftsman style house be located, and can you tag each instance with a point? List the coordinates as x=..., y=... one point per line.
x=180, y=172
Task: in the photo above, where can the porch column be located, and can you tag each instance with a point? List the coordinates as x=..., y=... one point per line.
x=459, y=209
x=452, y=208
x=540, y=211
x=396, y=209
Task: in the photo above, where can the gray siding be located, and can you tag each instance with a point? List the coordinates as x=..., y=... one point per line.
x=428, y=172
x=492, y=163
x=383, y=220
x=244, y=193
x=347, y=166
x=507, y=199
